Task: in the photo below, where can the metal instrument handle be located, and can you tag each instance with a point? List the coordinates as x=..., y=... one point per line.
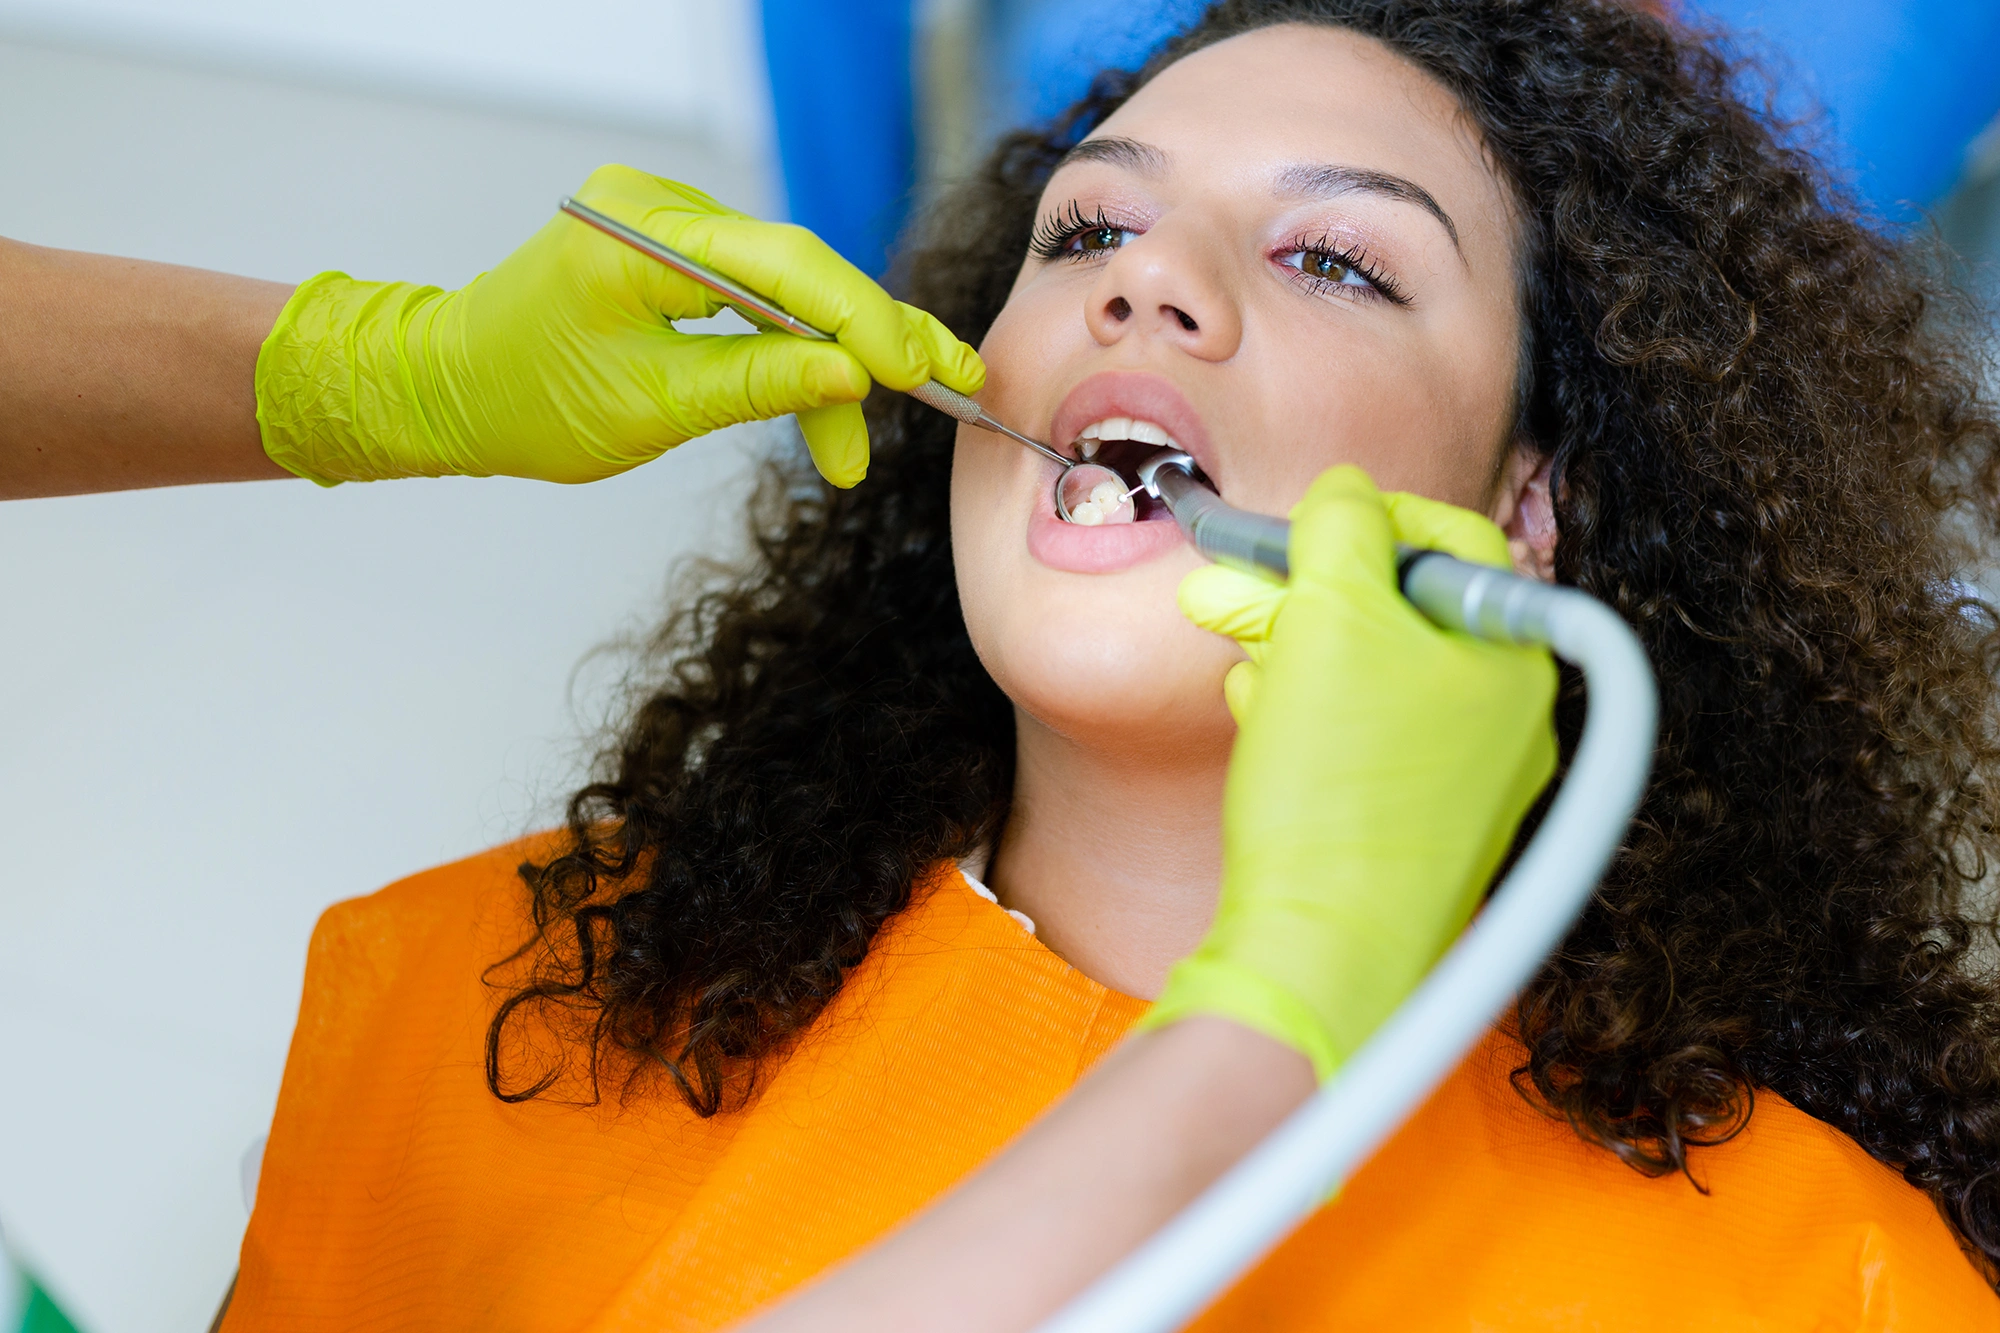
x=765, y=314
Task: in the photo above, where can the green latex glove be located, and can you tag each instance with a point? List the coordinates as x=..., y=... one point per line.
x=562, y=364
x=1381, y=768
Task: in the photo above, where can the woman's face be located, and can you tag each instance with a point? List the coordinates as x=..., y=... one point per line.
x=1286, y=252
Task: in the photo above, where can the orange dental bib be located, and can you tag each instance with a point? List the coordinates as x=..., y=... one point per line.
x=398, y=1193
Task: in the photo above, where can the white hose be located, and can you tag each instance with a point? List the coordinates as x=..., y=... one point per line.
x=1219, y=1236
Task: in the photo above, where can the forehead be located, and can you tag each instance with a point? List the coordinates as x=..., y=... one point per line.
x=1238, y=114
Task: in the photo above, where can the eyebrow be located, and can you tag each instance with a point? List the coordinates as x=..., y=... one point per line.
x=1115, y=151
x=1318, y=181
x=1309, y=180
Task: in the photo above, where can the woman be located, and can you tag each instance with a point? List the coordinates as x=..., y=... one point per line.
x=1531, y=260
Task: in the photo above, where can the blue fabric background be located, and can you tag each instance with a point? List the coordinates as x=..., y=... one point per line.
x=842, y=94
x=1903, y=86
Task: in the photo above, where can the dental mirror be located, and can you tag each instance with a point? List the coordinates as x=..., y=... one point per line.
x=1091, y=494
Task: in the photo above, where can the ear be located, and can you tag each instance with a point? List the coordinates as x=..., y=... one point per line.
x=1526, y=512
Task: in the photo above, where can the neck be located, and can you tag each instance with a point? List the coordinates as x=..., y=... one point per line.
x=1116, y=856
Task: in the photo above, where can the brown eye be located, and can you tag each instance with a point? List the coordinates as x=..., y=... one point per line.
x=1323, y=265
x=1329, y=271
x=1069, y=235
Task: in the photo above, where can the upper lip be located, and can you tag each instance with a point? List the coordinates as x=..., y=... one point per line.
x=1126, y=393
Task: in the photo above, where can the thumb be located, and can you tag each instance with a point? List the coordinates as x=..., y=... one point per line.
x=1341, y=534
x=1437, y=526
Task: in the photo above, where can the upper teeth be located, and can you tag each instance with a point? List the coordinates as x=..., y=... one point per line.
x=1122, y=428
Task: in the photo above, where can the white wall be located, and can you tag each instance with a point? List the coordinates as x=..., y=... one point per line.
x=686, y=64
x=222, y=708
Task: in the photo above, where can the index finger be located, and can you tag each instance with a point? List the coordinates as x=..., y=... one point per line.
x=1227, y=601
x=807, y=277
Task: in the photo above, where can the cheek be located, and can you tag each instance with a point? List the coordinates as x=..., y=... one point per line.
x=1412, y=418
x=1034, y=336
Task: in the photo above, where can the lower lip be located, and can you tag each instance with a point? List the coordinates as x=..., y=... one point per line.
x=1106, y=549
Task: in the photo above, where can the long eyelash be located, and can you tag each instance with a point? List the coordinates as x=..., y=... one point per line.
x=1354, y=257
x=1052, y=234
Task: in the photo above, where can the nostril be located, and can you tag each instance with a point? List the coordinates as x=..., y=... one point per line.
x=1187, y=320
x=1120, y=309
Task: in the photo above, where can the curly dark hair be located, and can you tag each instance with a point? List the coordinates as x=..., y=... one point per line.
x=1771, y=456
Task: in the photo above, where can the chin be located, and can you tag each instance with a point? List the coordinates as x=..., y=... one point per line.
x=1091, y=645
x=1132, y=679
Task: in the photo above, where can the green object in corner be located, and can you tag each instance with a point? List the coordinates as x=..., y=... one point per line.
x=42, y=1315
x=24, y=1306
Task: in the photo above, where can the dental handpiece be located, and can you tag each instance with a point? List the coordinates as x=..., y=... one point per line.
x=1453, y=593
x=1225, y=534
x=770, y=317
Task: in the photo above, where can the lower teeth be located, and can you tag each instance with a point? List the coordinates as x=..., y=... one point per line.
x=1108, y=503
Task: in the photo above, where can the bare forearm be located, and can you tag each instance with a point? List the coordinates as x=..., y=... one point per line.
x=1163, y=1117
x=115, y=373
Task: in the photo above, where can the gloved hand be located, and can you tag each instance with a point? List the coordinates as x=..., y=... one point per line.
x=1381, y=768
x=562, y=363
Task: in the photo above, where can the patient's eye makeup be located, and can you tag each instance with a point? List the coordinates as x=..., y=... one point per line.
x=1322, y=265
x=1327, y=267
x=1068, y=234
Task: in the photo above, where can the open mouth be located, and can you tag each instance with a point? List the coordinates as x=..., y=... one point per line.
x=1108, y=488
x=1124, y=457
x=1120, y=445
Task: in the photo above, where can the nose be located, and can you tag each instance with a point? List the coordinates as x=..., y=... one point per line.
x=1169, y=285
